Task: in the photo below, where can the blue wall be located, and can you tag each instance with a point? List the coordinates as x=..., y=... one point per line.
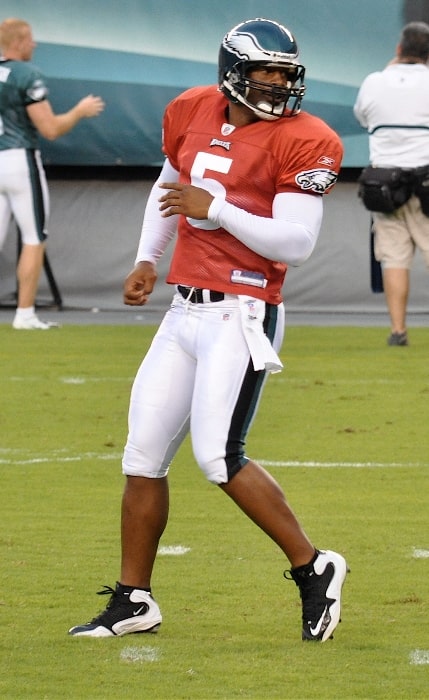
x=139, y=54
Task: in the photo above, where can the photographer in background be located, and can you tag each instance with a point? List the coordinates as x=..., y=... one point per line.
x=393, y=105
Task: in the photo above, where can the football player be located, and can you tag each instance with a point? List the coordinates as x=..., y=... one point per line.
x=242, y=184
x=25, y=112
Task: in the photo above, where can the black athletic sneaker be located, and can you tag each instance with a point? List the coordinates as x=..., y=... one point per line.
x=320, y=583
x=128, y=610
x=400, y=339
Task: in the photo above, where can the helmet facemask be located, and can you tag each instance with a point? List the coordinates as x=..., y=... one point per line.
x=276, y=100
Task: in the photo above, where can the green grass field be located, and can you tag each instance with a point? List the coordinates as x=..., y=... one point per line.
x=344, y=429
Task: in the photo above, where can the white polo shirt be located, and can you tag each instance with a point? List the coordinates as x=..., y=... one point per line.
x=393, y=105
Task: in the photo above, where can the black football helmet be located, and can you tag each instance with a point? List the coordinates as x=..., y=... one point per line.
x=261, y=43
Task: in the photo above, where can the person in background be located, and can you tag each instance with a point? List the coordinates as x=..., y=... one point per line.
x=25, y=112
x=243, y=181
x=393, y=105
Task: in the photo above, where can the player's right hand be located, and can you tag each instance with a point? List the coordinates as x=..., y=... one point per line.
x=91, y=106
x=139, y=284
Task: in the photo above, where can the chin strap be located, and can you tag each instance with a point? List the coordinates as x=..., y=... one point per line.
x=261, y=113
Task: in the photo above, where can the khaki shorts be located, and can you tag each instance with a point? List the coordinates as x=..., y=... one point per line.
x=398, y=235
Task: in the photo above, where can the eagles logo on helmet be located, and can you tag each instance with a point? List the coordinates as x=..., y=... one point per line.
x=261, y=43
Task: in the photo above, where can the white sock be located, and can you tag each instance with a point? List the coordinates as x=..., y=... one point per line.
x=25, y=313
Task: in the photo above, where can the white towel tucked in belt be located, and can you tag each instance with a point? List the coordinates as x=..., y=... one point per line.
x=261, y=351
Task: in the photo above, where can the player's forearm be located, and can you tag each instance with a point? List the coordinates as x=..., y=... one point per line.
x=59, y=125
x=289, y=239
x=157, y=231
x=51, y=125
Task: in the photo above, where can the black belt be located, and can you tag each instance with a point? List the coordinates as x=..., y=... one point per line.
x=196, y=296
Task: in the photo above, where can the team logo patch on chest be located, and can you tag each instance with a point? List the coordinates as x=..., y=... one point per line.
x=227, y=129
x=318, y=180
x=223, y=144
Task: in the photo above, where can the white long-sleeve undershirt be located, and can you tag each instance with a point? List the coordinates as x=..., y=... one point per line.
x=157, y=231
x=288, y=237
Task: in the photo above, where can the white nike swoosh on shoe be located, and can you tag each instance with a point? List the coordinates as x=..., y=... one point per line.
x=316, y=630
x=143, y=608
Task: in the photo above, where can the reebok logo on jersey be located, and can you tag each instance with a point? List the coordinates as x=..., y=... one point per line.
x=316, y=180
x=326, y=160
x=224, y=144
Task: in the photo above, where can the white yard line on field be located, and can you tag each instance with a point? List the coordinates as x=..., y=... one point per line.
x=173, y=550
x=139, y=654
x=18, y=457
x=419, y=657
x=22, y=457
x=70, y=380
x=359, y=465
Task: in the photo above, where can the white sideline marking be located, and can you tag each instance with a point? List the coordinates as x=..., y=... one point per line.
x=54, y=457
x=420, y=553
x=71, y=380
x=277, y=378
x=18, y=457
x=174, y=550
x=94, y=380
x=419, y=657
x=359, y=465
x=139, y=654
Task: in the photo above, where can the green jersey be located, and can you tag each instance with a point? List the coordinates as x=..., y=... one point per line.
x=21, y=84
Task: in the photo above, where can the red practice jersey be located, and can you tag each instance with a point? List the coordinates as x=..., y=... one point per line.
x=248, y=166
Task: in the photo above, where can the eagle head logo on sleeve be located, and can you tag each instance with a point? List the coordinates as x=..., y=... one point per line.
x=318, y=180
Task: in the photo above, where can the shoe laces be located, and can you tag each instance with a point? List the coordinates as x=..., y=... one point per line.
x=107, y=590
x=307, y=584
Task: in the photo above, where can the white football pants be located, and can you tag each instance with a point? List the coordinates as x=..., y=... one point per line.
x=197, y=375
x=23, y=194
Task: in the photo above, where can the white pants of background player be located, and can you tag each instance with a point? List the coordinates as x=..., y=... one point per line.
x=198, y=375
x=23, y=193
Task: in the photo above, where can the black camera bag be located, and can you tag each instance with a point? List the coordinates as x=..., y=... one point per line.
x=386, y=189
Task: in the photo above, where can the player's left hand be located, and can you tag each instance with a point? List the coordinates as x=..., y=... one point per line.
x=139, y=284
x=185, y=199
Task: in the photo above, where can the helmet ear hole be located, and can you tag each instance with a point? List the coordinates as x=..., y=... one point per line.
x=233, y=76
